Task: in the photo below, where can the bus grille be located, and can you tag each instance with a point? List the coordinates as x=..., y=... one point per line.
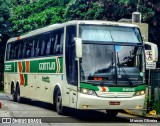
x=115, y=94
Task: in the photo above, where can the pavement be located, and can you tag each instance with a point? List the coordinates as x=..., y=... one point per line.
x=142, y=113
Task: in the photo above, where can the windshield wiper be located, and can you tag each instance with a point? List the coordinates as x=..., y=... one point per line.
x=121, y=66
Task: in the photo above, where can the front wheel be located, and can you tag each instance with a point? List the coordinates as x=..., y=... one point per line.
x=111, y=113
x=60, y=109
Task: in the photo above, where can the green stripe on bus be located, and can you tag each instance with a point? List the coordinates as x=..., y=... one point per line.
x=113, y=89
x=9, y=67
x=23, y=66
x=26, y=80
x=43, y=66
x=61, y=65
x=16, y=66
x=34, y=66
x=38, y=66
x=141, y=87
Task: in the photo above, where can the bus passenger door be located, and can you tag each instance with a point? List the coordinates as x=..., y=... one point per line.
x=73, y=99
x=71, y=65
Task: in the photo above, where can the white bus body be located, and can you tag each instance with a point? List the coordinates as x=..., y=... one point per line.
x=109, y=74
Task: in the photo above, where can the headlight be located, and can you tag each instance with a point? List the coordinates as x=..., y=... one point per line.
x=87, y=91
x=137, y=93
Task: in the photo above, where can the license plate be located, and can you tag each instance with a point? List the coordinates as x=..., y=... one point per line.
x=114, y=103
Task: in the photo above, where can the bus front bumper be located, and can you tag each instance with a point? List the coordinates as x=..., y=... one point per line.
x=96, y=103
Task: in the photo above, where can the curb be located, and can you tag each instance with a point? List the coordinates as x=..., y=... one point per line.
x=136, y=114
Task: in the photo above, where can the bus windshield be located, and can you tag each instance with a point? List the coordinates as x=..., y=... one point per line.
x=110, y=33
x=108, y=63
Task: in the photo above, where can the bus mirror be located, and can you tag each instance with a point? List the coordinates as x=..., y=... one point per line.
x=151, y=51
x=78, y=43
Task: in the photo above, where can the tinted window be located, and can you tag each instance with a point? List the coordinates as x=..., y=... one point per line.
x=50, y=43
x=147, y=47
x=71, y=63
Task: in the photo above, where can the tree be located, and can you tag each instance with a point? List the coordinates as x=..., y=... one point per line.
x=36, y=15
x=4, y=17
x=4, y=31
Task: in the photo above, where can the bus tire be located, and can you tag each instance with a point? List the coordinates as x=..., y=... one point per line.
x=18, y=97
x=13, y=92
x=61, y=110
x=111, y=113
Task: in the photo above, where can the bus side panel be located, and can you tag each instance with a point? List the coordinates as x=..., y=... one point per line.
x=7, y=83
x=28, y=87
x=9, y=76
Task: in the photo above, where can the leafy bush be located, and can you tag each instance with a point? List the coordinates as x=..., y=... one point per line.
x=156, y=106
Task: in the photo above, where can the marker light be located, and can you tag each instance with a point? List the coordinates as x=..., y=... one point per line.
x=85, y=106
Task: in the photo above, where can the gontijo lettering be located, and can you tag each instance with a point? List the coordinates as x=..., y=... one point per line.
x=47, y=66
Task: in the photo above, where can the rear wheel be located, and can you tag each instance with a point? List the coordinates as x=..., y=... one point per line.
x=59, y=108
x=18, y=97
x=14, y=97
x=111, y=113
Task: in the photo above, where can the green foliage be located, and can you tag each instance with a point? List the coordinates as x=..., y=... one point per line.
x=156, y=106
x=4, y=16
x=36, y=15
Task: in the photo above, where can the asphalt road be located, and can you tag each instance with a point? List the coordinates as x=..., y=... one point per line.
x=35, y=111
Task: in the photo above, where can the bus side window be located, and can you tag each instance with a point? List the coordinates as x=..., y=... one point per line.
x=16, y=50
x=55, y=44
x=59, y=42
x=52, y=44
x=47, y=38
x=24, y=53
x=20, y=50
x=43, y=47
x=33, y=48
x=71, y=63
x=53, y=39
x=28, y=49
x=37, y=46
x=8, y=53
x=12, y=51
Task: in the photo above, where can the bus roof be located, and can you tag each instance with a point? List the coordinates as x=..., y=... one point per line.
x=100, y=22
x=37, y=31
x=73, y=22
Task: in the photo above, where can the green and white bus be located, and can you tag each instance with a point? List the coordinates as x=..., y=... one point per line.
x=95, y=65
